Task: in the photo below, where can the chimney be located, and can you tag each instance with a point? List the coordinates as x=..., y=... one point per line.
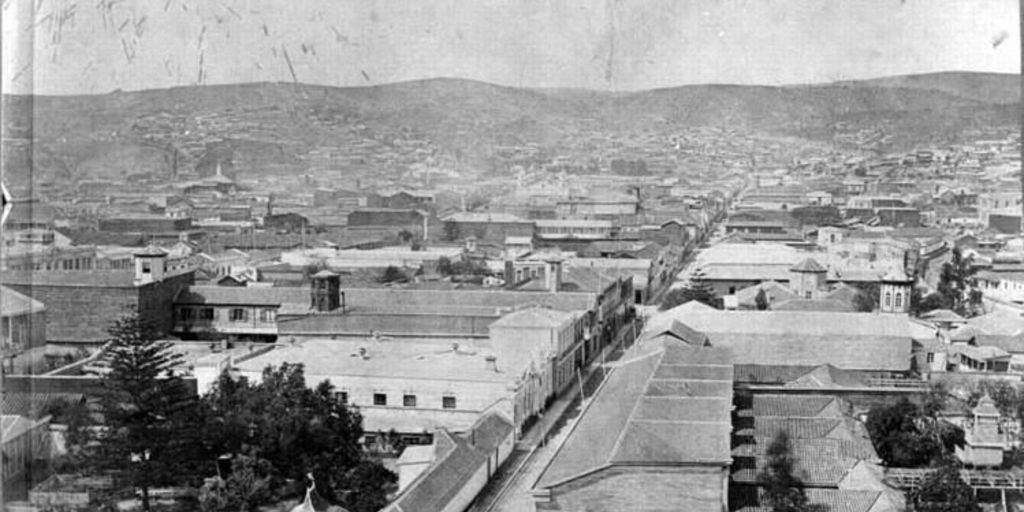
x=492, y=363
x=455, y=347
x=362, y=353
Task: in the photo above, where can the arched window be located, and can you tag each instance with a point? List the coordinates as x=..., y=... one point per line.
x=888, y=298
x=899, y=300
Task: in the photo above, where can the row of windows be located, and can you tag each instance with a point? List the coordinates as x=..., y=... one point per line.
x=447, y=401
x=69, y=264
x=899, y=299
x=234, y=314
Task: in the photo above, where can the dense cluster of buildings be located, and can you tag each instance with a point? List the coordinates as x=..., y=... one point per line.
x=460, y=318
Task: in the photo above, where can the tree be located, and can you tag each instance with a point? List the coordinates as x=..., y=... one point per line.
x=866, y=299
x=957, y=285
x=761, y=300
x=920, y=305
x=146, y=411
x=698, y=289
x=405, y=236
x=444, y=266
x=244, y=490
x=783, y=491
x=451, y=231
x=392, y=274
x=904, y=436
x=943, y=490
x=298, y=431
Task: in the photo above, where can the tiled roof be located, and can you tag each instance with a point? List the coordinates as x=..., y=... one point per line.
x=667, y=404
x=809, y=265
x=831, y=305
x=677, y=330
x=457, y=459
x=796, y=406
x=775, y=292
x=853, y=341
x=748, y=498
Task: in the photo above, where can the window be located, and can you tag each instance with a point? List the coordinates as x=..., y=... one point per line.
x=206, y=313
x=341, y=397
x=807, y=295
x=238, y=315
x=266, y=315
x=408, y=400
x=380, y=399
x=888, y=298
x=185, y=313
x=899, y=300
x=146, y=267
x=448, y=402
x=931, y=357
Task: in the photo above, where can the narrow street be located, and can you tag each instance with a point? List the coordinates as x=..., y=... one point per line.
x=509, y=489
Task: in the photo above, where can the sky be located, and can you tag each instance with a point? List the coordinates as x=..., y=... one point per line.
x=97, y=46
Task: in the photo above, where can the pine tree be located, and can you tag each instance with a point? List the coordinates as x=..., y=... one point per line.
x=957, y=285
x=146, y=442
x=698, y=289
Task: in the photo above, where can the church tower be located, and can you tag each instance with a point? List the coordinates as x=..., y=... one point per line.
x=894, y=292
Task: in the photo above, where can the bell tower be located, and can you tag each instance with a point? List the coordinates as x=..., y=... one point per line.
x=894, y=292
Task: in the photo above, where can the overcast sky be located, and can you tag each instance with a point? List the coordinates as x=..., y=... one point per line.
x=95, y=46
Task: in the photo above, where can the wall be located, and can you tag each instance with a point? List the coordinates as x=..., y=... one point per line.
x=156, y=300
x=643, y=489
x=384, y=323
x=471, y=398
x=80, y=314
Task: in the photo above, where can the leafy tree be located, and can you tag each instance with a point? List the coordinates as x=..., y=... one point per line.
x=920, y=305
x=904, y=436
x=146, y=410
x=866, y=299
x=943, y=490
x=405, y=236
x=444, y=266
x=761, y=300
x=298, y=430
x=783, y=491
x=957, y=285
x=392, y=274
x=451, y=231
x=244, y=490
x=698, y=289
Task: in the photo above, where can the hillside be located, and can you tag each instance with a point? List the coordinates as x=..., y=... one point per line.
x=273, y=127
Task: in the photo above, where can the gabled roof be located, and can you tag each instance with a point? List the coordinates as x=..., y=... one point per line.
x=457, y=459
x=795, y=406
x=667, y=404
x=679, y=331
x=852, y=341
x=774, y=291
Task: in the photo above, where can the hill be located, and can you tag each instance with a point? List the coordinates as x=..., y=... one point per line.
x=273, y=127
